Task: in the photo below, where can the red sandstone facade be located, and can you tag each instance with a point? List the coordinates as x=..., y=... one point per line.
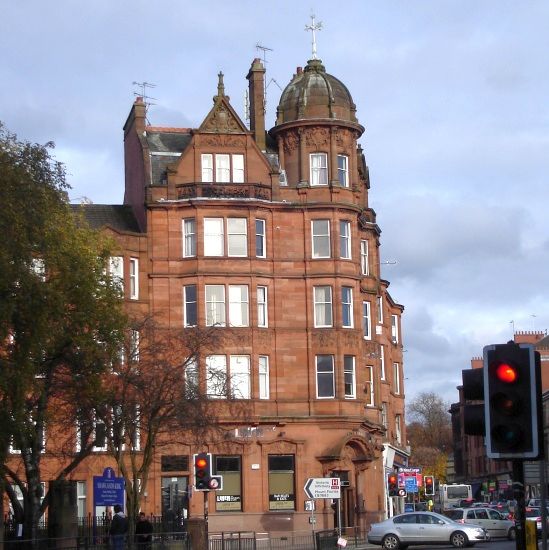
x=270, y=236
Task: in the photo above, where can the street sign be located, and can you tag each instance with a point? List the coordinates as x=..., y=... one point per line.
x=323, y=487
x=411, y=484
x=402, y=492
x=216, y=483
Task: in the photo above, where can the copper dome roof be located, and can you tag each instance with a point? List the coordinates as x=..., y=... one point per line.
x=315, y=94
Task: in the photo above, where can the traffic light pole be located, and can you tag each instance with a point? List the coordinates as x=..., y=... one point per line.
x=520, y=509
x=206, y=493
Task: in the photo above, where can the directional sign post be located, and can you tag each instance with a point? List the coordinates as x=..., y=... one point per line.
x=323, y=487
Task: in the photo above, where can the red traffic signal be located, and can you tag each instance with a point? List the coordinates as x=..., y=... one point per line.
x=512, y=401
x=506, y=373
x=392, y=485
x=202, y=471
x=429, y=483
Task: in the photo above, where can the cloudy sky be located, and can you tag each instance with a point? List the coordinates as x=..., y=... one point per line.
x=453, y=94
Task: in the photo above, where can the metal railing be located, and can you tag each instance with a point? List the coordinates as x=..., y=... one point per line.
x=310, y=540
x=163, y=541
x=97, y=526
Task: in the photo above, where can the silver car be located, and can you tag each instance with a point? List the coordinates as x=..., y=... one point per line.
x=424, y=528
x=495, y=523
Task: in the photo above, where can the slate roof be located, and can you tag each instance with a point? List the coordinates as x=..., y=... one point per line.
x=117, y=216
x=168, y=140
x=165, y=146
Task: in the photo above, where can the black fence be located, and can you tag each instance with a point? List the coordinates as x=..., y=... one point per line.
x=169, y=533
x=98, y=526
x=310, y=540
x=164, y=541
x=93, y=535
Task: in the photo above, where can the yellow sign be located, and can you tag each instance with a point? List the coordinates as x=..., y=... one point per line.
x=531, y=538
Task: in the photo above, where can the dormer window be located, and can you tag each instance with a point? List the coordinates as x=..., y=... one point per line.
x=319, y=168
x=222, y=168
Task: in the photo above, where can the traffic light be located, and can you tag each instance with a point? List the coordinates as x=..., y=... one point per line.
x=512, y=401
x=392, y=485
x=202, y=471
x=473, y=390
x=429, y=483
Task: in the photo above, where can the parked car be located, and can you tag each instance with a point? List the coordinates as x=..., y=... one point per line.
x=424, y=528
x=496, y=523
x=504, y=508
x=416, y=506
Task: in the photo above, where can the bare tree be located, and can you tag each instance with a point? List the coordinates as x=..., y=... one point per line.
x=155, y=397
x=430, y=433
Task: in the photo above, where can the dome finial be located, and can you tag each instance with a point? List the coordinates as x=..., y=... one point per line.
x=314, y=27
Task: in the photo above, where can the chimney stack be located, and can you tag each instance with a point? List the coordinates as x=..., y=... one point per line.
x=256, y=78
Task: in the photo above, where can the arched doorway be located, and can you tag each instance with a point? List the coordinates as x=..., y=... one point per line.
x=349, y=461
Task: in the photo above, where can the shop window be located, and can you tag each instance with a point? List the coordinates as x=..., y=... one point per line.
x=229, y=499
x=281, y=482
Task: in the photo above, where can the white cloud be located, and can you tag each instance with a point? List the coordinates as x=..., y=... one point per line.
x=452, y=95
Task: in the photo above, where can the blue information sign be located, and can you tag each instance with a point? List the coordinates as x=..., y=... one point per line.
x=410, y=484
x=108, y=490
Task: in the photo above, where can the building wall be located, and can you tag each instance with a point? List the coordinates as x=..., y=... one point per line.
x=340, y=435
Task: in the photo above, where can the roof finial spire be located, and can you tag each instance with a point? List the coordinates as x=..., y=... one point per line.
x=220, y=85
x=314, y=27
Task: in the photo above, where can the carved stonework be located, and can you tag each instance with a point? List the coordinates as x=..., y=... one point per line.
x=279, y=447
x=262, y=194
x=221, y=121
x=218, y=191
x=291, y=141
x=356, y=451
x=317, y=138
x=338, y=136
x=234, y=141
x=211, y=141
x=223, y=141
x=322, y=338
x=187, y=192
x=364, y=219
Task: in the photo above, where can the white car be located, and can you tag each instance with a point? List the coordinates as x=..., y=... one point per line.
x=424, y=528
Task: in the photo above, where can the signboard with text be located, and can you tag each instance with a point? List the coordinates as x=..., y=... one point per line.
x=411, y=485
x=410, y=473
x=108, y=489
x=281, y=501
x=323, y=487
